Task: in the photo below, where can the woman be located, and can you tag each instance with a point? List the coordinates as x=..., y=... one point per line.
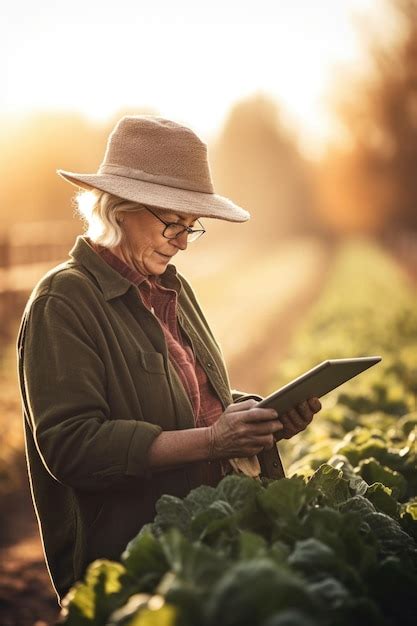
x=124, y=390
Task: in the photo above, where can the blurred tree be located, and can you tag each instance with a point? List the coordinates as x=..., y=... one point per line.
x=257, y=164
x=33, y=149
x=370, y=184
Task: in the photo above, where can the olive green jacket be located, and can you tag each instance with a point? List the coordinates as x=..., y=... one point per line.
x=97, y=387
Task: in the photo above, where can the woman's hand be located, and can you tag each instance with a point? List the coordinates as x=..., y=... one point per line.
x=297, y=419
x=244, y=430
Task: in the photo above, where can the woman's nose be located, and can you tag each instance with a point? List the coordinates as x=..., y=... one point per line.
x=181, y=241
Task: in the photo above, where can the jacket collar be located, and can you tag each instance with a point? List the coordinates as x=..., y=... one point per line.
x=111, y=282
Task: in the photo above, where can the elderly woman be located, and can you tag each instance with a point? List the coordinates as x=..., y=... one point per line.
x=124, y=389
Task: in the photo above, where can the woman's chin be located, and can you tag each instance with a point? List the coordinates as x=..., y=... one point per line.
x=157, y=265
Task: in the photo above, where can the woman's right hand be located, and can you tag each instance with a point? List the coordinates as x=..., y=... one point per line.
x=243, y=430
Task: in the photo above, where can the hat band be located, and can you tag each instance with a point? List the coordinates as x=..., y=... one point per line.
x=169, y=181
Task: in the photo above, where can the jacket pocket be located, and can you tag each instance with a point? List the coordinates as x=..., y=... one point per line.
x=152, y=362
x=154, y=391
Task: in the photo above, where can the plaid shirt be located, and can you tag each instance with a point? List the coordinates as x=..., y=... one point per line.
x=160, y=297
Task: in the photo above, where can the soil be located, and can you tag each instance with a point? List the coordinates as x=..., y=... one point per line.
x=27, y=597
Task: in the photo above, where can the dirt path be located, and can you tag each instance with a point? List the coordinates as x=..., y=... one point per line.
x=26, y=595
x=294, y=279
x=254, y=306
x=276, y=290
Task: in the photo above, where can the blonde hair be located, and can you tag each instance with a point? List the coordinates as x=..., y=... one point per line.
x=100, y=212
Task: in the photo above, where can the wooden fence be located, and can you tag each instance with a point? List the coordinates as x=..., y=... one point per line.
x=27, y=252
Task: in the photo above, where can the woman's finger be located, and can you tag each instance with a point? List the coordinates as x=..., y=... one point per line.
x=293, y=423
x=254, y=414
x=259, y=429
x=305, y=411
x=314, y=404
x=296, y=419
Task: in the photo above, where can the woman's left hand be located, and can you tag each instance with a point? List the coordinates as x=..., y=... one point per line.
x=298, y=418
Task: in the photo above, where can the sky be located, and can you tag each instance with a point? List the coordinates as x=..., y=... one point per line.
x=189, y=60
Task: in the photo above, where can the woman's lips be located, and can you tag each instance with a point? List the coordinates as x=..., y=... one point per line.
x=165, y=256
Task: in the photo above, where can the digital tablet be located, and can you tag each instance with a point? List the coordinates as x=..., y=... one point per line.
x=317, y=382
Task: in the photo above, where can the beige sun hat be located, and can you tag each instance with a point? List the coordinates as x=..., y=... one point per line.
x=155, y=161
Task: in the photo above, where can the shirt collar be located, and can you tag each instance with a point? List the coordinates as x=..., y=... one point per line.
x=111, y=281
x=120, y=266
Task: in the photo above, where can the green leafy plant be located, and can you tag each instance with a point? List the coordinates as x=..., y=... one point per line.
x=332, y=545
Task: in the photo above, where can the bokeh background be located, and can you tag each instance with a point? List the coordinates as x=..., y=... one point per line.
x=309, y=111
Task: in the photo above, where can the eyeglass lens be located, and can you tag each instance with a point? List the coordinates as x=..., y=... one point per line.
x=174, y=230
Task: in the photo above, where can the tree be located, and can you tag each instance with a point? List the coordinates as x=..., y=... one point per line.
x=371, y=185
x=33, y=149
x=256, y=163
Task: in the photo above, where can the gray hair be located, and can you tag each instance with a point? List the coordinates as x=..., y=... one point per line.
x=100, y=212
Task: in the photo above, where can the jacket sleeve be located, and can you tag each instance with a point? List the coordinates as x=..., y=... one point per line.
x=240, y=396
x=63, y=388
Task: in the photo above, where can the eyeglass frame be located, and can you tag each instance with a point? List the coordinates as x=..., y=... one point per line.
x=186, y=229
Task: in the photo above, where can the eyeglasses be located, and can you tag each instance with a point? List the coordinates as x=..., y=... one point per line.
x=173, y=230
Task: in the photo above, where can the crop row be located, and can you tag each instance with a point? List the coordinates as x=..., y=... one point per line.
x=331, y=545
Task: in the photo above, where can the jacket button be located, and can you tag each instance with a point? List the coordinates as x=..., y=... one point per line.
x=275, y=463
x=210, y=364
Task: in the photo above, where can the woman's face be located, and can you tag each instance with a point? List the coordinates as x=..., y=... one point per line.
x=144, y=244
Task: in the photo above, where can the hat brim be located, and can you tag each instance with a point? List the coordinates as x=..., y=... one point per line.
x=163, y=196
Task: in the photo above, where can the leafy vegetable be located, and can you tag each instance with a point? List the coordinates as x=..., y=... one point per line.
x=334, y=544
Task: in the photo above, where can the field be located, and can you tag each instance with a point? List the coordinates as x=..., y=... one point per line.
x=359, y=452
x=335, y=543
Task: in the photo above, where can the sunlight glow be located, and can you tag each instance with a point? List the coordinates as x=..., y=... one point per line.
x=184, y=60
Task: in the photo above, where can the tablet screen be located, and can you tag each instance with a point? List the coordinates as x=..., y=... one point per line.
x=317, y=382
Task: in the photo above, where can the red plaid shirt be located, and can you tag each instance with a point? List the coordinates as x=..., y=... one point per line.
x=159, y=295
